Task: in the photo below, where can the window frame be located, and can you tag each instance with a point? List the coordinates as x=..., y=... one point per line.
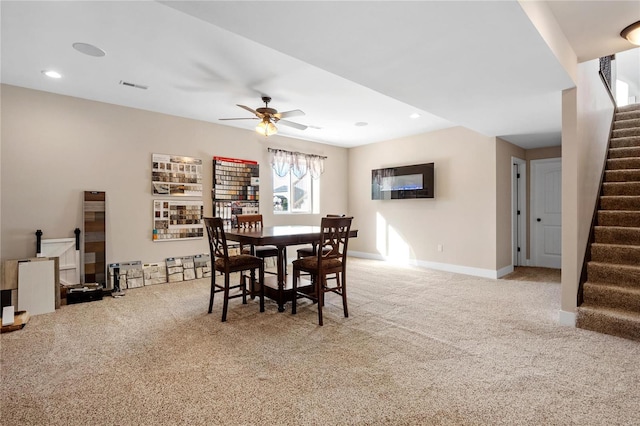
x=314, y=191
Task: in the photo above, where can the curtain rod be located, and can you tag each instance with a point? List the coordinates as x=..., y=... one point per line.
x=295, y=152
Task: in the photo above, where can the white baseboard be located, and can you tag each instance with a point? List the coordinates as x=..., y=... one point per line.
x=447, y=267
x=505, y=271
x=567, y=318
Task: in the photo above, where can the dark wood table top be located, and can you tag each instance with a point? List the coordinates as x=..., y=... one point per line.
x=282, y=235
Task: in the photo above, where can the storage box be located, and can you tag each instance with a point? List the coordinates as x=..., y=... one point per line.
x=80, y=293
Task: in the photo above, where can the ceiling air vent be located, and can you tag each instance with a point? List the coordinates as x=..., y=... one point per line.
x=137, y=86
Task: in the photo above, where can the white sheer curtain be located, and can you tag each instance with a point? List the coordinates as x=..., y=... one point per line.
x=298, y=163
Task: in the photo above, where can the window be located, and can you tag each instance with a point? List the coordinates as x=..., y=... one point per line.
x=622, y=93
x=296, y=181
x=292, y=194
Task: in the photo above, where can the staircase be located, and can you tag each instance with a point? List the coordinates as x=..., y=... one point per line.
x=612, y=292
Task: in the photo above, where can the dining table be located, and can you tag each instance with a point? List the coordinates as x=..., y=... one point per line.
x=279, y=287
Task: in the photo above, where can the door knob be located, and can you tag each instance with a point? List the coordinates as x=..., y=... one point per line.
x=539, y=220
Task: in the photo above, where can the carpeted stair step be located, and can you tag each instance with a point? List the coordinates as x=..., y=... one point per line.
x=623, y=133
x=621, y=188
x=620, y=254
x=625, y=152
x=625, y=142
x=629, y=115
x=627, y=108
x=617, y=235
x=611, y=296
x=628, y=218
x=609, y=321
x=620, y=202
x=623, y=163
x=626, y=123
x=627, y=175
x=622, y=275
x=610, y=189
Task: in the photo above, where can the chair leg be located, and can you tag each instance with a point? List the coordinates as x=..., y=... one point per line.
x=226, y=297
x=243, y=287
x=294, y=290
x=261, y=277
x=213, y=288
x=252, y=287
x=344, y=296
x=320, y=282
x=285, y=262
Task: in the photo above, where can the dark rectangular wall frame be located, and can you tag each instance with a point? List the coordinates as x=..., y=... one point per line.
x=95, y=247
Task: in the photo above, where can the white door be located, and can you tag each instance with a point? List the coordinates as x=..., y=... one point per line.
x=546, y=212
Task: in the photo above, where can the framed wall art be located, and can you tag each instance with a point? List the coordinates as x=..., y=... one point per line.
x=176, y=175
x=177, y=220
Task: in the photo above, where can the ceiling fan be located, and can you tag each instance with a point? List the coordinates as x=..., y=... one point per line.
x=269, y=116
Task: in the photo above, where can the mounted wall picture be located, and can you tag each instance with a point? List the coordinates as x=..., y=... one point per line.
x=95, y=246
x=415, y=181
x=177, y=220
x=176, y=175
x=236, y=188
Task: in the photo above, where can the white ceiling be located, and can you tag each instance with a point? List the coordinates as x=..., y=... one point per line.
x=479, y=64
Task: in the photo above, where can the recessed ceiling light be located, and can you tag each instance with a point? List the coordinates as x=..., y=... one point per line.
x=414, y=115
x=89, y=49
x=361, y=124
x=52, y=74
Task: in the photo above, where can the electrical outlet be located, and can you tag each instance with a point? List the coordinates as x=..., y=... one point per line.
x=440, y=247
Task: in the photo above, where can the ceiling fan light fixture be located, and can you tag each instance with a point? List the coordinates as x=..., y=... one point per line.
x=632, y=33
x=266, y=127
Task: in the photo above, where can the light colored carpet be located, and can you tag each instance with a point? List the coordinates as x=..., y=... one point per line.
x=420, y=347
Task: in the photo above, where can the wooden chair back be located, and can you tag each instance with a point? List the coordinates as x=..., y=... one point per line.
x=334, y=241
x=249, y=221
x=311, y=250
x=217, y=238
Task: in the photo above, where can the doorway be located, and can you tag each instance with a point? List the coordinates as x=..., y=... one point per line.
x=518, y=211
x=546, y=213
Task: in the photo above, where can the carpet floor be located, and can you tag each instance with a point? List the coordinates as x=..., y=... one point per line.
x=420, y=347
x=533, y=273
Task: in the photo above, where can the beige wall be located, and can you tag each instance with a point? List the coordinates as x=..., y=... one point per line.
x=461, y=217
x=55, y=147
x=543, y=153
x=586, y=123
x=595, y=117
x=504, y=227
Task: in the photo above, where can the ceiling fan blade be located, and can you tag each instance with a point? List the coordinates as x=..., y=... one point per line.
x=292, y=124
x=251, y=110
x=248, y=118
x=292, y=113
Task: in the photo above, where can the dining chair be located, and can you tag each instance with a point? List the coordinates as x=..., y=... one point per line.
x=254, y=221
x=330, y=261
x=226, y=264
x=310, y=250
